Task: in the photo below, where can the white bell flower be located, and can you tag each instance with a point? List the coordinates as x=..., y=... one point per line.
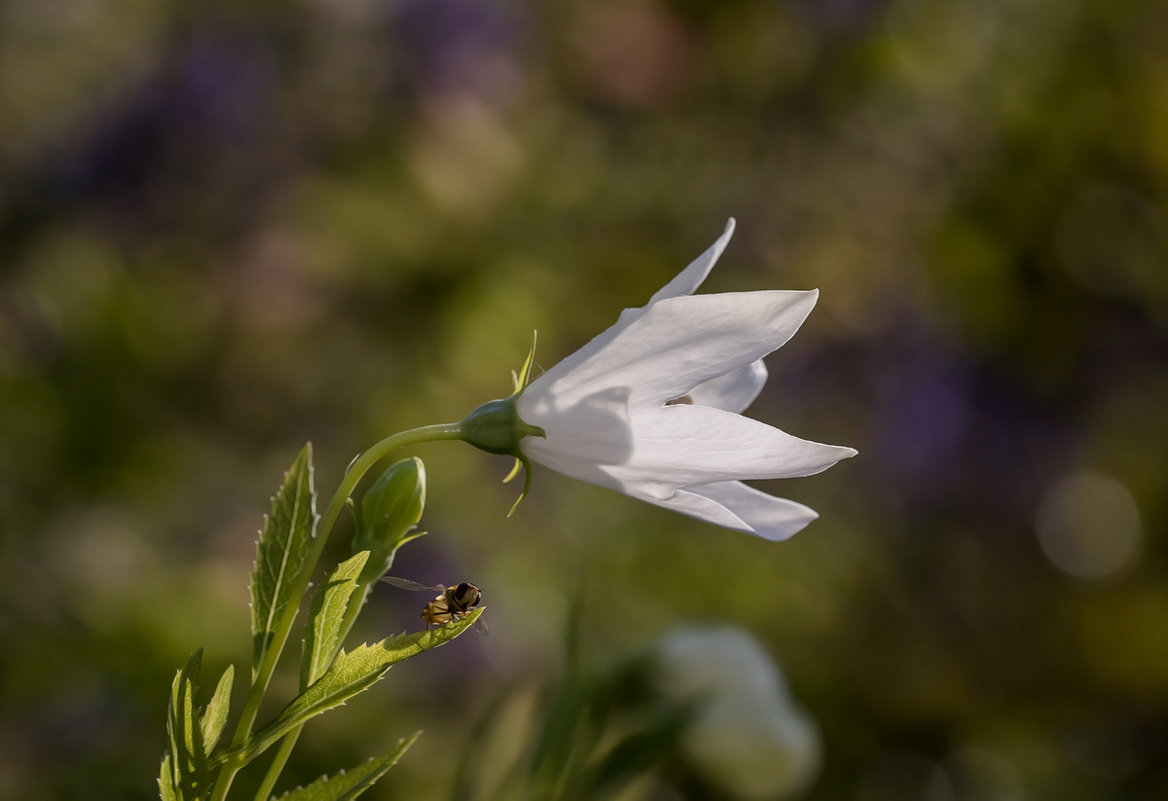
x=749, y=737
x=652, y=406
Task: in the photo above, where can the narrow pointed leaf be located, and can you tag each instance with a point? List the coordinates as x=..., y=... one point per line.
x=347, y=785
x=412, y=537
x=188, y=761
x=166, y=788
x=350, y=674
x=281, y=555
x=328, y=612
x=215, y=716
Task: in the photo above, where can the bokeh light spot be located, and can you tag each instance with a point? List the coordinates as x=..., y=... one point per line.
x=1089, y=525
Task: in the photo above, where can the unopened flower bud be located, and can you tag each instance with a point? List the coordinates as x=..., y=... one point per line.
x=389, y=511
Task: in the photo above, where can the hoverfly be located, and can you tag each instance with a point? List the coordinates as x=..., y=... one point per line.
x=451, y=603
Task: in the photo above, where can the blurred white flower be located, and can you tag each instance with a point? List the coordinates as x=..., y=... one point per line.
x=749, y=737
x=651, y=407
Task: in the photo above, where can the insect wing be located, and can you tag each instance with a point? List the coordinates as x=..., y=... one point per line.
x=406, y=584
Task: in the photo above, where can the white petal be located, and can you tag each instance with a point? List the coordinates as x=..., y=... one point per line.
x=683, y=342
x=680, y=446
x=561, y=377
x=732, y=392
x=689, y=279
x=735, y=505
x=584, y=442
x=684, y=284
x=677, y=344
x=699, y=506
x=767, y=516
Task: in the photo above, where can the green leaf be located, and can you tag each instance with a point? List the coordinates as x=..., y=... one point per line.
x=215, y=716
x=328, y=613
x=348, y=785
x=166, y=788
x=188, y=761
x=349, y=675
x=281, y=555
x=389, y=511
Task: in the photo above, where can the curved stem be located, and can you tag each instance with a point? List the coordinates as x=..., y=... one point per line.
x=356, y=471
x=278, y=762
x=362, y=464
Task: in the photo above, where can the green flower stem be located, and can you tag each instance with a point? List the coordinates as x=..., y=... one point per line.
x=353, y=476
x=278, y=762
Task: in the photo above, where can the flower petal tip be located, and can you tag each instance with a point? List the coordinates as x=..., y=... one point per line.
x=786, y=530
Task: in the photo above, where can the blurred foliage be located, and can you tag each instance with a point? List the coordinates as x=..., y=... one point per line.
x=228, y=228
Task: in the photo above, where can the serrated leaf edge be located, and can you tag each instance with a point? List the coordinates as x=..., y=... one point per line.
x=377, y=767
x=272, y=607
x=336, y=687
x=188, y=763
x=214, y=717
x=328, y=612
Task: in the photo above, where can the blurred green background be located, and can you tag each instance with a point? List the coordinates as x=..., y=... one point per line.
x=228, y=228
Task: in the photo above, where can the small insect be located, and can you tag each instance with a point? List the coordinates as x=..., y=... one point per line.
x=451, y=603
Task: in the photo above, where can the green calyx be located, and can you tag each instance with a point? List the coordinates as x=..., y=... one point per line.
x=496, y=427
